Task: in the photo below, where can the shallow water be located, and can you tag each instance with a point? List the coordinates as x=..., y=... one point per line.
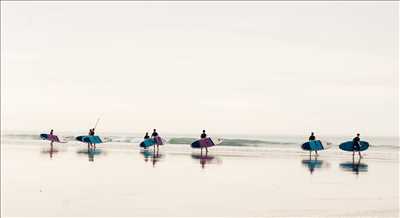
x=122, y=180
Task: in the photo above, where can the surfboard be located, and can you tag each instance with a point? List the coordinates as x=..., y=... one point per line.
x=147, y=143
x=314, y=145
x=49, y=137
x=89, y=139
x=207, y=142
x=348, y=146
x=159, y=141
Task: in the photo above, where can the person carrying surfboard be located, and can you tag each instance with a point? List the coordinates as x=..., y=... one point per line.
x=356, y=145
x=312, y=138
x=154, y=135
x=146, y=136
x=203, y=136
x=51, y=135
x=91, y=133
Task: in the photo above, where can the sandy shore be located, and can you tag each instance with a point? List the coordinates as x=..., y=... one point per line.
x=122, y=180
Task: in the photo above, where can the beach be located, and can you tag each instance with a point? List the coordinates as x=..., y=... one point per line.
x=121, y=179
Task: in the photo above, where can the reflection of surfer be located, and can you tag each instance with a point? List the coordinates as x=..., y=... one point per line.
x=312, y=164
x=155, y=158
x=205, y=159
x=51, y=150
x=356, y=166
x=90, y=154
x=312, y=138
x=146, y=155
x=150, y=155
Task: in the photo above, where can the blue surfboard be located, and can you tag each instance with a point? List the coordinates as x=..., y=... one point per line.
x=89, y=139
x=147, y=143
x=348, y=146
x=314, y=145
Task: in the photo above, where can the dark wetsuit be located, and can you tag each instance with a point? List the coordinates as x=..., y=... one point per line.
x=311, y=138
x=146, y=137
x=203, y=136
x=356, y=143
x=155, y=134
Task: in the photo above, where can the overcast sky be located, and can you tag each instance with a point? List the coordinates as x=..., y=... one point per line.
x=227, y=67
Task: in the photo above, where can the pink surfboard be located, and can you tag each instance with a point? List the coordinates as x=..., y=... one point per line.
x=159, y=140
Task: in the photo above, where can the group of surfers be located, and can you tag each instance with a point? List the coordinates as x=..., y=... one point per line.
x=356, y=140
x=155, y=134
x=356, y=144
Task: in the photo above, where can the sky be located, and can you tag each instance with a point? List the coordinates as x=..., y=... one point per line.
x=181, y=67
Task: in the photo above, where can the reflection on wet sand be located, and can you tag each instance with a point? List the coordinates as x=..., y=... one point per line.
x=206, y=159
x=152, y=155
x=314, y=163
x=354, y=166
x=50, y=151
x=90, y=152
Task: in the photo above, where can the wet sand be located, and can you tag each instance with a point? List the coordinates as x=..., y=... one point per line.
x=122, y=180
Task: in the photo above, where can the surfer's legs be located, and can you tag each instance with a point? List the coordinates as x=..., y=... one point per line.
x=94, y=145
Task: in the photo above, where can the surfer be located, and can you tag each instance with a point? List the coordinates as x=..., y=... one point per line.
x=203, y=136
x=154, y=135
x=51, y=135
x=312, y=138
x=91, y=133
x=94, y=144
x=356, y=145
x=146, y=136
